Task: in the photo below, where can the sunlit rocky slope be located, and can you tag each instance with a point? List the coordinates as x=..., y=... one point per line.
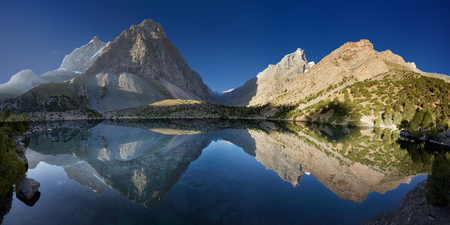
x=269, y=82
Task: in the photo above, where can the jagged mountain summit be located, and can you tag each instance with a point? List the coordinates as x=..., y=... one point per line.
x=294, y=78
x=78, y=61
x=353, y=61
x=72, y=66
x=141, y=66
x=272, y=80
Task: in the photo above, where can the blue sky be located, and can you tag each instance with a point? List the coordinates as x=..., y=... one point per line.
x=226, y=42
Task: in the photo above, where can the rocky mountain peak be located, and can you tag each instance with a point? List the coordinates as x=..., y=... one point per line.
x=18, y=84
x=269, y=82
x=145, y=51
x=148, y=29
x=363, y=43
x=81, y=58
x=294, y=62
x=353, y=60
x=24, y=76
x=96, y=41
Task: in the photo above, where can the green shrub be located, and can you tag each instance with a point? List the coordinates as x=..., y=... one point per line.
x=12, y=170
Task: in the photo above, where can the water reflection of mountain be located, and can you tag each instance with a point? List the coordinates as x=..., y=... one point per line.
x=144, y=159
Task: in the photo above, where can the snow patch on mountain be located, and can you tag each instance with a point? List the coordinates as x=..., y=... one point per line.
x=228, y=91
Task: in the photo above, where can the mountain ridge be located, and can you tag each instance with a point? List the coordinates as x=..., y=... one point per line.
x=268, y=82
x=139, y=67
x=72, y=66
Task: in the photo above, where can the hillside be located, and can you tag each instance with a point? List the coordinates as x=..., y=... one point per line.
x=181, y=108
x=353, y=61
x=385, y=100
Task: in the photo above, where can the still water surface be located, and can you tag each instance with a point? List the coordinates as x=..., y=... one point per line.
x=216, y=172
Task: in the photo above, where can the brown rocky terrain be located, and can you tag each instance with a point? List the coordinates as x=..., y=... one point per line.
x=414, y=210
x=353, y=60
x=269, y=82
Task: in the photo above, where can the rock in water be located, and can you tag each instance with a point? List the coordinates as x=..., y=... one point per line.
x=28, y=188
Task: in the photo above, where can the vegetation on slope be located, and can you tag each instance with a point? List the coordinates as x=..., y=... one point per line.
x=391, y=99
x=48, y=97
x=12, y=170
x=375, y=147
x=182, y=108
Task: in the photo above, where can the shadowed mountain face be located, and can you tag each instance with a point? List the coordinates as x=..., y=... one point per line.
x=72, y=66
x=144, y=159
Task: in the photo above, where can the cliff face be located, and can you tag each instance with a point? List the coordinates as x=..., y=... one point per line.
x=272, y=80
x=145, y=51
x=82, y=58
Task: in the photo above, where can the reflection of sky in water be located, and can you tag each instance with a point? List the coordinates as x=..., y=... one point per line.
x=224, y=185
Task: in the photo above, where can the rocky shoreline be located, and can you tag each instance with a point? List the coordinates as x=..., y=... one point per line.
x=29, y=188
x=407, y=135
x=414, y=210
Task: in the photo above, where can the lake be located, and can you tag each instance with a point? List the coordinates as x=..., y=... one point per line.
x=216, y=172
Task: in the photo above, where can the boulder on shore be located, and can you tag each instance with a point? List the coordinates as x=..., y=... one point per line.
x=28, y=188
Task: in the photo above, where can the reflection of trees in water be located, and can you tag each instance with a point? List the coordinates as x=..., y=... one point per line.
x=201, y=125
x=371, y=146
x=418, y=152
x=5, y=205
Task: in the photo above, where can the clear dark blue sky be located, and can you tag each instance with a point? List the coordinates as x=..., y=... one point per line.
x=226, y=42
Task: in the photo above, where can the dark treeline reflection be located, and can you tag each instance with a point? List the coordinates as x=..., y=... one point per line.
x=144, y=159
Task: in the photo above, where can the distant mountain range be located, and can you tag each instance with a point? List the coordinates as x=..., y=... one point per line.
x=72, y=66
x=141, y=66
